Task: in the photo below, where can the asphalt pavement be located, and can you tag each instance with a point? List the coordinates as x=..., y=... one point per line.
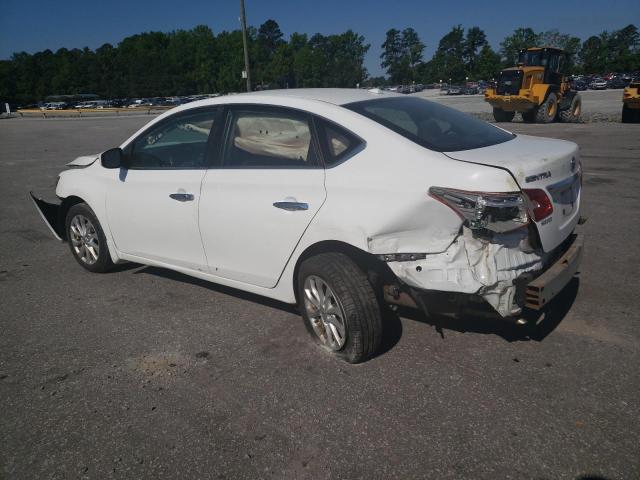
x=145, y=373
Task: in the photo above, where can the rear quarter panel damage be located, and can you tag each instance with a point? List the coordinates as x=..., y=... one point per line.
x=378, y=201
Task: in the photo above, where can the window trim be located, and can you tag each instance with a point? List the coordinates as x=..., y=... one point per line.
x=258, y=108
x=210, y=149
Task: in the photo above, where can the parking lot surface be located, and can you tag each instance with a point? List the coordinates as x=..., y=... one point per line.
x=145, y=373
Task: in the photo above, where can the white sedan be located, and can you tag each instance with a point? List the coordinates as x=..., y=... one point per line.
x=338, y=200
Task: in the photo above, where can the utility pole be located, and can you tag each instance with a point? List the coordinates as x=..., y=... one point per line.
x=243, y=21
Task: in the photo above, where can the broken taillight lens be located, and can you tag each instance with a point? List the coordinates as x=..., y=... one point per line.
x=539, y=203
x=498, y=212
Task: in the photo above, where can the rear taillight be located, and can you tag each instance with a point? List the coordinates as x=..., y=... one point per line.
x=498, y=212
x=540, y=205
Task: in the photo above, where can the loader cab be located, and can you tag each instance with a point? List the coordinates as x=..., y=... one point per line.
x=552, y=60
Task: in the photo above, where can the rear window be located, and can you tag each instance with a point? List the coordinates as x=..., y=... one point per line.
x=430, y=124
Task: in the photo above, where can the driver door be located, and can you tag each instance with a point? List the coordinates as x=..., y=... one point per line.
x=152, y=205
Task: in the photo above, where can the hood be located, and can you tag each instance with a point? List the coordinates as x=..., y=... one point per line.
x=83, y=161
x=540, y=163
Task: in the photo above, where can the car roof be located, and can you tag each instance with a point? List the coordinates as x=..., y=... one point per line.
x=335, y=96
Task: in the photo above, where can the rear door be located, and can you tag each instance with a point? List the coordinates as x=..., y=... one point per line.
x=264, y=192
x=153, y=204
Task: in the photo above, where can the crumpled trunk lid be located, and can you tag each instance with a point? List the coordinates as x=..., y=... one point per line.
x=542, y=163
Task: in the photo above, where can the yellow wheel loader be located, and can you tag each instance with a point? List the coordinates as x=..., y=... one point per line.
x=631, y=102
x=537, y=88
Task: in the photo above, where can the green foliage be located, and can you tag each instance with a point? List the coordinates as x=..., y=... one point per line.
x=193, y=61
x=521, y=38
x=186, y=62
x=402, y=54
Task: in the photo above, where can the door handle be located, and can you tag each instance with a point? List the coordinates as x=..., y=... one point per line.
x=292, y=206
x=182, y=197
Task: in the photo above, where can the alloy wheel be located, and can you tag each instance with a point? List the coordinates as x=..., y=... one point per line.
x=84, y=239
x=325, y=313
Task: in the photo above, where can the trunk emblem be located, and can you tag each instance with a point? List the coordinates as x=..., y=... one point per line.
x=537, y=176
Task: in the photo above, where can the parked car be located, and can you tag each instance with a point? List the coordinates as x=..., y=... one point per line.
x=617, y=83
x=470, y=91
x=579, y=85
x=55, y=106
x=598, y=84
x=335, y=200
x=454, y=90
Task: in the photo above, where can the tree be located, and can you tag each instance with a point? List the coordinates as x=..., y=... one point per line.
x=476, y=40
x=412, y=48
x=402, y=53
x=392, y=56
x=511, y=45
x=593, y=54
x=448, y=60
x=488, y=63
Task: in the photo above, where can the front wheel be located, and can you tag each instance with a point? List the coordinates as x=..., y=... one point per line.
x=546, y=113
x=339, y=306
x=86, y=238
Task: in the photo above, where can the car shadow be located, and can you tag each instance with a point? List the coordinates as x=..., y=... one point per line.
x=252, y=297
x=392, y=326
x=539, y=324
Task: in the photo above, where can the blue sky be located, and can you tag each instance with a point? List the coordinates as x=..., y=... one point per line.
x=37, y=25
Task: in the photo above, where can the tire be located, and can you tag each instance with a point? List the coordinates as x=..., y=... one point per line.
x=572, y=114
x=630, y=115
x=502, y=116
x=86, y=239
x=548, y=110
x=349, y=294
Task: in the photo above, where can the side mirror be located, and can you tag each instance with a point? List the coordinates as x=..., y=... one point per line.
x=113, y=158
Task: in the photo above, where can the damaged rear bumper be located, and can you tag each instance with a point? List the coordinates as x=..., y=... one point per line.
x=549, y=284
x=50, y=213
x=503, y=273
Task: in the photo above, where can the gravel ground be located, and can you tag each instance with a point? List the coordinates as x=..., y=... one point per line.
x=145, y=373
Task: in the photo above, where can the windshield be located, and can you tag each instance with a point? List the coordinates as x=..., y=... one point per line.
x=430, y=124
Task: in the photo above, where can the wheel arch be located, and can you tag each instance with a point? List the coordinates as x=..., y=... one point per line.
x=66, y=204
x=377, y=271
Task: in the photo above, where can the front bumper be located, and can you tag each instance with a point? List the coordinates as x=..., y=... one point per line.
x=50, y=213
x=540, y=291
x=512, y=103
x=633, y=102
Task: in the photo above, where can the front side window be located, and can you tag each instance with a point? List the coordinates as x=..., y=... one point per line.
x=430, y=124
x=269, y=138
x=176, y=143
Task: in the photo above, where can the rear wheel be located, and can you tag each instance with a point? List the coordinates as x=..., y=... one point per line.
x=86, y=239
x=572, y=114
x=547, y=112
x=502, y=116
x=339, y=306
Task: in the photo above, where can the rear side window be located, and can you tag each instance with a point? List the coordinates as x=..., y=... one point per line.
x=269, y=138
x=339, y=143
x=430, y=124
